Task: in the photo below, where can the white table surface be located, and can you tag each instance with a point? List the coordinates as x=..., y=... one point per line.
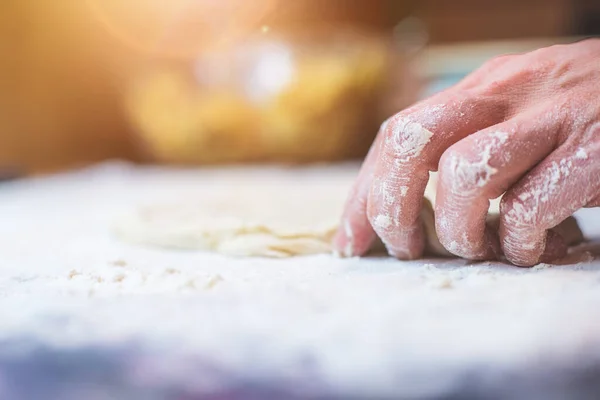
x=77, y=305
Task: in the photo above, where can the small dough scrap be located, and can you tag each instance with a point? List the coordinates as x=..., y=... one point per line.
x=274, y=219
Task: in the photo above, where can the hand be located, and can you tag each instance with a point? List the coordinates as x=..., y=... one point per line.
x=526, y=126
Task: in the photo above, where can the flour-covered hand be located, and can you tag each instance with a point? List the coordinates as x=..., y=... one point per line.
x=523, y=126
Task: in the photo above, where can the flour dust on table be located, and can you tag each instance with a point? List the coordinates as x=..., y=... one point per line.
x=83, y=309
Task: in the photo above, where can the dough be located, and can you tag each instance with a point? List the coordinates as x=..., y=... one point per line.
x=279, y=218
x=275, y=219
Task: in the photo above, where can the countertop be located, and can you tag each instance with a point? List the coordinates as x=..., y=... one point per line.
x=83, y=315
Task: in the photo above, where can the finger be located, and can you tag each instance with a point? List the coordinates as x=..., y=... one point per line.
x=411, y=146
x=355, y=235
x=595, y=202
x=480, y=168
x=564, y=182
x=432, y=243
x=559, y=238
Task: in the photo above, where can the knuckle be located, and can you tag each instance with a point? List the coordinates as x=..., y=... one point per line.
x=462, y=172
x=404, y=138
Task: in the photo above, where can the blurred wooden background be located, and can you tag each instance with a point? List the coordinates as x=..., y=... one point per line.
x=62, y=73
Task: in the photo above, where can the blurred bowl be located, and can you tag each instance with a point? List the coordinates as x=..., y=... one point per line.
x=272, y=97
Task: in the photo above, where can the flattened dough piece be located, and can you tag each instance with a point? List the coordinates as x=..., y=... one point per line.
x=277, y=219
x=270, y=220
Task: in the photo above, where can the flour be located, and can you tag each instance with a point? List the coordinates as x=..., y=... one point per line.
x=388, y=193
x=581, y=154
x=430, y=116
x=466, y=176
x=375, y=326
x=525, y=210
x=407, y=138
x=383, y=222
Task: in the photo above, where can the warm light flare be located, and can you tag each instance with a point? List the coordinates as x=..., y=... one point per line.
x=180, y=28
